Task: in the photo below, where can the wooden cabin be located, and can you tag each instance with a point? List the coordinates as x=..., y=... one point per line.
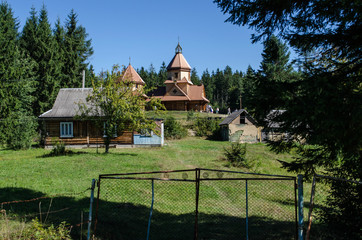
x=62, y=125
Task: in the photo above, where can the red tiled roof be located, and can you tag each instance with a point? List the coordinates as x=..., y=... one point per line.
x=196, y=93
x=131, y=74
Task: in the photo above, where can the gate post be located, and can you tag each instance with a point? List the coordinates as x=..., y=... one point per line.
x=90, y=208
x=300, y=207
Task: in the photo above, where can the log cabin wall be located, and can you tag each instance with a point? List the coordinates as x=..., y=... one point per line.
x=84, y=133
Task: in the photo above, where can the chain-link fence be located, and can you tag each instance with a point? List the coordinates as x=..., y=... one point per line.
x=335, y=209
x=18, y=207
x=196, y=204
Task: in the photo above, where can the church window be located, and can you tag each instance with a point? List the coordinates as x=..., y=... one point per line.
x=176, y=75
x=174, y=91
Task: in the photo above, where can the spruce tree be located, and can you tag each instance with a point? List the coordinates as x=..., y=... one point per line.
x=272, y=79
x=194, y=78
x=249, y=86
x=76, y=51
x=162, y=74
x=208, y=84
x=39, y=43
x=16, y=85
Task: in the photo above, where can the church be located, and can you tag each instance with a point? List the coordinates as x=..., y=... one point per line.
x=180, y=93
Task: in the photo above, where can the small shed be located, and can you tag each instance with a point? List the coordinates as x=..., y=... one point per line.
x=240, y=127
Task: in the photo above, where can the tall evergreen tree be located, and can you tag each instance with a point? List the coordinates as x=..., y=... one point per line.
x=39, y=43
x=208, y=84
x=76, y=51
x=16, y=85
x=194, y=77
x=325, y=106
x=273, y=77
x=162, y=74
x=249, y=86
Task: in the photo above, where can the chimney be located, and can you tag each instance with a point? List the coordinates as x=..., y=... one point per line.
x=83, y=79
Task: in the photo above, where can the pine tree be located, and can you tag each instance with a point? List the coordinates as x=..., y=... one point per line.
x=272, y=79
x=208, y=84
x=16, y=85
x=162, y=74
x=249, y=86
x=38, y=42
x=194, y=78
x=76, y=51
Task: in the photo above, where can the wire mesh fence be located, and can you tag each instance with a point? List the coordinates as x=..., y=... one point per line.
x=22, y=206
x=335, y=209
x=195, y=204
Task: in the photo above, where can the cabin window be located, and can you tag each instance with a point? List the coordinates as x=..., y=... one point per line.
x=136, y=86
x=176, y=75
x=66, y=129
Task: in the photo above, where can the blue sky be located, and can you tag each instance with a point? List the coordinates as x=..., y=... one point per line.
x=148, y=31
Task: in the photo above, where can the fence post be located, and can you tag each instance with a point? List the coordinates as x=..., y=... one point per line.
x=90, y=208
x=149, y=219
x=246, y=210
x=197, y=181
x=300, y=207
x=311, y=203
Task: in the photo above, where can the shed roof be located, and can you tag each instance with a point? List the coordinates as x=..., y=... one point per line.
x=235, y=114
x=67, y=103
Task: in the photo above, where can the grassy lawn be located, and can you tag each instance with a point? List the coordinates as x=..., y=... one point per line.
x=28, y=174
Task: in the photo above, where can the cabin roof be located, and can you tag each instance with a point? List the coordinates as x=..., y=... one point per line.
x=67, y=103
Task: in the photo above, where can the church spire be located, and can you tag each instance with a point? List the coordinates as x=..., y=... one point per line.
x=178, y=49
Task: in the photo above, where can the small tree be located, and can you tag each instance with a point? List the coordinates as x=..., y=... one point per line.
x=116, y=107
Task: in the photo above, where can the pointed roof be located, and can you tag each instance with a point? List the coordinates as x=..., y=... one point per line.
x=178, y=62
x=131, y=74
x=235, y=114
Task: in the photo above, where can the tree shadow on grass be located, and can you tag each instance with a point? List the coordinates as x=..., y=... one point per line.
x=67, y=153
x=23, y=205
x=130, y=221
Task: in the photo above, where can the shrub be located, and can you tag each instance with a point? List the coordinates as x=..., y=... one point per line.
x=18, y=131
x=39, y=231
x=173, y=129
x=191, y=115
x=208, y=127
x=58, y=149
x=235, y=154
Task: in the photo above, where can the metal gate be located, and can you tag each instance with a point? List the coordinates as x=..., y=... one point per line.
x=196, y=204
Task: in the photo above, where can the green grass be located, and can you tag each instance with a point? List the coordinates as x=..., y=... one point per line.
x=28, y=174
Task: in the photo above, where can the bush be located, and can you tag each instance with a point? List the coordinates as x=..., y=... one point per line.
x=173, y=129
x=39, y=231
x=235, y=154
x=191, y=115
x=208, y=127
x=58, y=149
x=18, y=130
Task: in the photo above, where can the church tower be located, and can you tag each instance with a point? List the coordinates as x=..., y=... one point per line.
x=178, y=68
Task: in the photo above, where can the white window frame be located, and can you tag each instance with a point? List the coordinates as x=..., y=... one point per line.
x=66, y=129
